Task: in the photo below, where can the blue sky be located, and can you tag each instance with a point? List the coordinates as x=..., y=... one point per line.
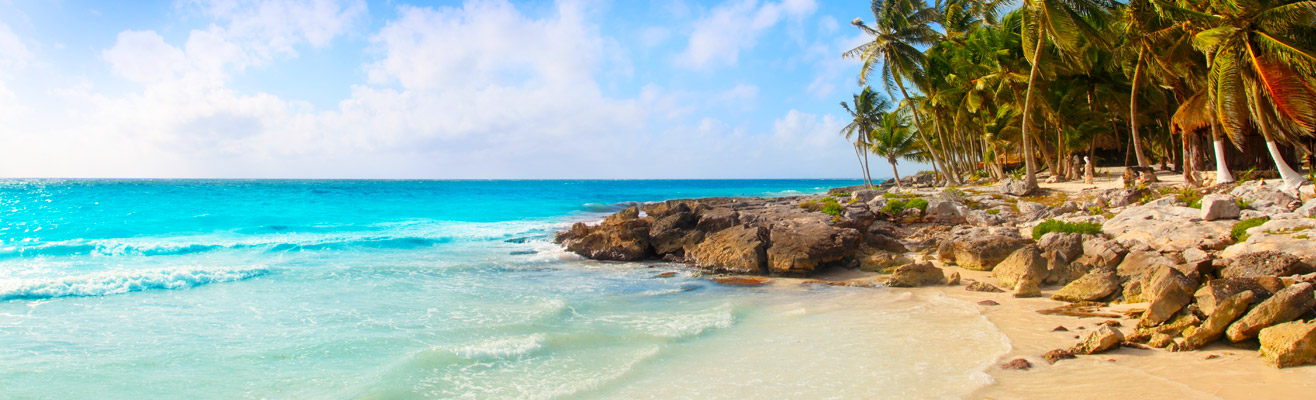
x=442, y=89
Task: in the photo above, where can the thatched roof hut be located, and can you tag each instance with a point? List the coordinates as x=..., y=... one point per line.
x=1194, y=118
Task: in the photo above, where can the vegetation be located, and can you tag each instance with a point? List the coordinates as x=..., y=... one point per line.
x=1052, y=225
x=895, y=207
x=981, y=87
x=1239, y=233
x=827, y=205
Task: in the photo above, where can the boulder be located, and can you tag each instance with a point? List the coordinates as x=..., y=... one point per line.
x=1265, y=196
x=1217, y=321
x=1025, y=263
x=1265, y=263
x=1215, y=292
x=1056, y=355
x=1030, y=211
x=623, y=236
x=980, y=248
x=674, y=232
x=1094, y=286
x=1014, y=187
x=1102, y=339
x=982, y=287
x=1138, y=265
x=1101, y=252
x=1017, y=364
x=1168, y=290
x=1283, y=306
x=1289, y=344
x=953, y=279
x=1218, y=206
x=1307, y=210
x=1070, y=245
x=950, y=212
x=1060, y=271
x=716, y=219
x=1168, y=228
x=878, y=260
x=1001, y=216
x=800, y=246
x=1292, y=236
x=739, y=249
x=917, y=274
x=864, y=196
x=1028, y=286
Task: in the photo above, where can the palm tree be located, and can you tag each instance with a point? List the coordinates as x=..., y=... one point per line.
x=868, y=108
x=893, y=140
x=1065, y=23
x=900, y=26
x=1147, y=33
x=1262, y=57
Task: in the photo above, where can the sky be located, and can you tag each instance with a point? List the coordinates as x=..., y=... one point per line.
x=475, y=89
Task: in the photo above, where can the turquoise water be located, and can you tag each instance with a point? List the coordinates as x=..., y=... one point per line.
x=424, y=289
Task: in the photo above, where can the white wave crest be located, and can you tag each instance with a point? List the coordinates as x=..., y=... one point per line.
x=502, y=348
x=118, y=282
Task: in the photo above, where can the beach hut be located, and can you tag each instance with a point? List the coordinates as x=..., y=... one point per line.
x=1202, y=146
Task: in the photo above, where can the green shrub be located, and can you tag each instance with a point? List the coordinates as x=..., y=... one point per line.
x=1052, y=225
x=920, y=204
x=1189, y=196
x=993, y=211
x=1239, y=233
x=1242, y=204
x=810, y=205
x=894, y=207
x=830, y=206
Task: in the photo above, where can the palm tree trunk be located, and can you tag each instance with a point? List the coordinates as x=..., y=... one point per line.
x=895, y=172
x=1030, y=164
x=1292, y=179
x=868, y=173
x=863, y=171
x=1222, y=174
x=1133, y=109
x=918, y=122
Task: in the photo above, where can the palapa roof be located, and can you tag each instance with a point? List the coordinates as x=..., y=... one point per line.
x=1193, y=114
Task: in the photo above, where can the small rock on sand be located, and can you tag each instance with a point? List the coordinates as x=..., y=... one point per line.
x=1017, y=364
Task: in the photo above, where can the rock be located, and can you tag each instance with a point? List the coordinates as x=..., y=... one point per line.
x=877, y=260
x=667, y=274
x=954, y=279
x=716, y=219
x=1060, y=328
x=742, y=280
x=1168, y=228
x=1166, y=201
x=1307, y=210
x=1014, y=187
x=674, y=232
x=1215, y=292
x=1028, y=286
x=1070, y=245
x=917, y=274
x=623, y=236
x=1001, y=216
x=1139, y=265
x=982, y=287
x=1101, y=252
x=1060, y=271
x=1296, y=237
x=1026, y=262
x=1265, y=263
x=949, y=212
x=1289, y=344
x=1218, y=320
x=1096, y=285
x=988, y=303
x=980, y=248
x=800, y=246
x=865, y=196
x=739, y=249
x=1283, y=306
x=1017, y=364
x=1056, y=355
x=1168, y=290
x=1160, y=340
x=1218, y=206
x=1030, y=211
x=1099, y=340
x=1262, y=196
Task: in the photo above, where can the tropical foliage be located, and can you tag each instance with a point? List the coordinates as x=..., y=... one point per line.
x=981, y=88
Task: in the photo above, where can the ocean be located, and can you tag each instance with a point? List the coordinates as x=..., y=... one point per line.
x=315, y=289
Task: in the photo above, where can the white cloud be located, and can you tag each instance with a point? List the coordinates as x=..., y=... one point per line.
x=13, y=53
x=718, y=38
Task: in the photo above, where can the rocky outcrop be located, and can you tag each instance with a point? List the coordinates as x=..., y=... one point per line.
x=1266, y=263
x=1138, y=265
x=1024, y=264
x=1218, y=206
x=800, y=246
x=624, y=236
x=1102, y=339
x=1168, y=228
x=1030, y=211
x=1100, y=252
x=1014, y=187
x=1295, y=236
x=917, y=274
x=1218, y=320
x=1213, y=293
x=948, y=212
x=1283, y=306
x=1264, y=196
x=979, y=248
x=671, y=233
x=1168, y=291
x=1070, y=245
x=1289, y=344
x=878, y=260
x=1094, y=286
x=740, y=250
x=717, y=219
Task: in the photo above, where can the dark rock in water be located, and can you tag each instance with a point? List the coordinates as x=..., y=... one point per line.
x=623, y=236
x=1017, y=364
x=1056, y=355
x=673, y=232
x=522, y=252
x=516, y=240
x=668, y=274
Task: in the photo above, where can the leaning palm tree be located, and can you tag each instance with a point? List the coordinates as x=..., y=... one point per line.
x=868, y=108
x=893, y=140
x=1067, y=24
x=1149, y=33
x=1262, y=58
x=901, y=26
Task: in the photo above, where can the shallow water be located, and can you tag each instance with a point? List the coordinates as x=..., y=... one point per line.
x=425, y=289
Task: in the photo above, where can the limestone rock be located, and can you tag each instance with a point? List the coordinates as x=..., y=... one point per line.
x=866, y=195
x=1053, y=356
x=674, y=232
x=1102, y=339
x=1215, y=292
x=1027, y=286
x=1101, y=252
x=1218, y=320
x=878, y=260
x=1026, y=262
x=623, y=236
x=982, y=287
x=1030, y=211
x=1138, y=265
x=1096, y=285
x=1218, y=206
x=1168, y=290
x=954, y=278
x=950, y=212
x=1296, y=237
x=1070, y=245
x=1265, y=263
x=1289, y=344
x=1017, y=364
x=1283, y=306
x=1014, y=187
x=717, y=219
x=917, y=274
x=1307, y=210
x=1262, y=195
x=800, y=246
x=1168, y=228
x=739, y=249
x=980, y=248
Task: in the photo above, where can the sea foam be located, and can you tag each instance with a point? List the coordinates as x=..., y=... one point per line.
x=123, y=281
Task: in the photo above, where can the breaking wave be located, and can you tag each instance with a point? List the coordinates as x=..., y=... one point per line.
x=119, y=282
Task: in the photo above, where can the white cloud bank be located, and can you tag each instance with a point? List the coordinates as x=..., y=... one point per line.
x=477, y=91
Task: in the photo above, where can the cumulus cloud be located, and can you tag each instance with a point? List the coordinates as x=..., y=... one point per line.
x=718, y=38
